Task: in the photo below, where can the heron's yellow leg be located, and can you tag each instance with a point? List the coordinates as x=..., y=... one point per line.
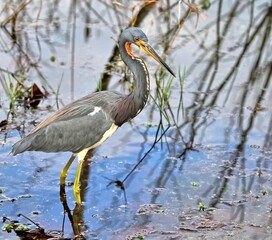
x=63, y=172
x=81, y=155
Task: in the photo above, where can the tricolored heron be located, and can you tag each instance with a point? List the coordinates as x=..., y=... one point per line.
x=87, y=122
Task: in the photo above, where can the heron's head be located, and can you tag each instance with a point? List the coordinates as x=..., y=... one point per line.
x=136, y=36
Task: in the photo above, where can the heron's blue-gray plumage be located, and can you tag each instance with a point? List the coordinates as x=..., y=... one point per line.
x=71, y=128
x=75, y=127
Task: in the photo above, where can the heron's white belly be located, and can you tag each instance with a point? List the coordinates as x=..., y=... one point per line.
x=106, y=135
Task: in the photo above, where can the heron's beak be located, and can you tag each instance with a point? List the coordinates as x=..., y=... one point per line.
x=151, y=52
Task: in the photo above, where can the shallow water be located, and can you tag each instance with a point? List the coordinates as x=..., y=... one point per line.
x=215, y=154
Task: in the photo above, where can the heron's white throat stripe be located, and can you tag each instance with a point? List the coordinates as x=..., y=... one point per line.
x=96, y=110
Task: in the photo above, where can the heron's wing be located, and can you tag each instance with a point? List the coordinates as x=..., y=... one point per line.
x=71, y=134
x=81, y=107
x=78, y=125
x=66, y=113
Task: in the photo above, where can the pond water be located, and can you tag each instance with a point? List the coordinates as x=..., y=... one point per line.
x=206, y=164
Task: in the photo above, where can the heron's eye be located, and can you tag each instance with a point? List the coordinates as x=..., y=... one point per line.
x=136, y=39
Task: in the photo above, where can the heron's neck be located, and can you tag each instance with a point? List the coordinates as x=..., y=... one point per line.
x=133, y=103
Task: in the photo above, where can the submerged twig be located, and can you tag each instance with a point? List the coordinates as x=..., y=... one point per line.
x=19, y=8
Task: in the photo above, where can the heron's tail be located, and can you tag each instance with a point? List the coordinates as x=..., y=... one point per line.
x=22, y=145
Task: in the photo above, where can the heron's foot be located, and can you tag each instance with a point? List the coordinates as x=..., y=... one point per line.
x=76, y=190
x=63, y=175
